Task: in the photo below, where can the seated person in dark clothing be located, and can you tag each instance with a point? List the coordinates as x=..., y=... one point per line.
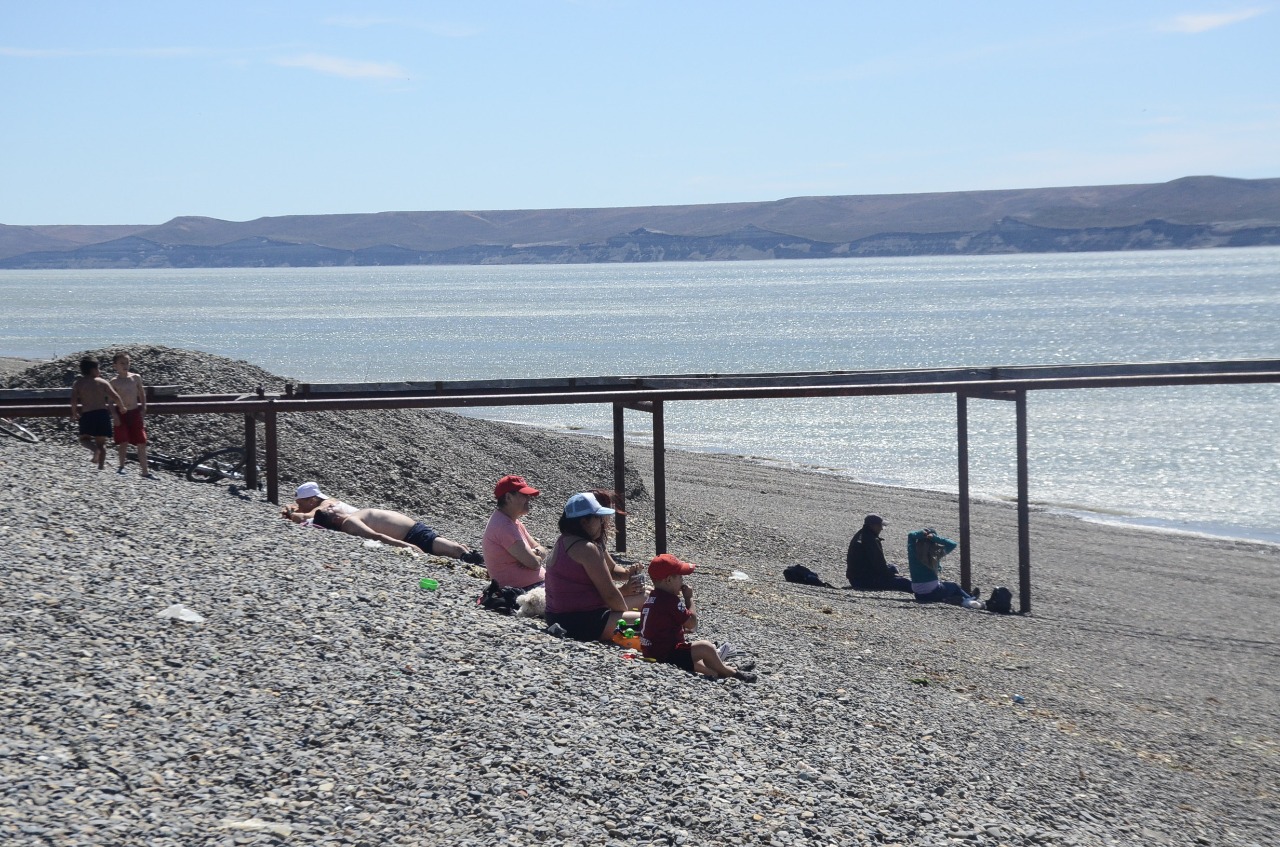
x=865, y=565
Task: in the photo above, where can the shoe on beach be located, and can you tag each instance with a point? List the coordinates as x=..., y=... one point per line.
x=149, y=475
x=745, y=676
x=472, y=557
x=748, y=665
x=120, y=471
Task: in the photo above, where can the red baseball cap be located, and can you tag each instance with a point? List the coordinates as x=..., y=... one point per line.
x=510, y=483
x=661, y=567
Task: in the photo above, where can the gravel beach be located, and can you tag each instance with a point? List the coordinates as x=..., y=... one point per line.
x=326, y=699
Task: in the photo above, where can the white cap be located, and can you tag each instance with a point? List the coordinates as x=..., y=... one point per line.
x=583, y=505
x=309, y=489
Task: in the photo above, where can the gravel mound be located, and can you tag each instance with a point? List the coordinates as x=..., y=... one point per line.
x=10, y=365
x=327, y=699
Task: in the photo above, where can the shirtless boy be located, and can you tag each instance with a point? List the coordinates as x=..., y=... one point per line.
x=129, y=429
x=394, y=528
x=90, y=394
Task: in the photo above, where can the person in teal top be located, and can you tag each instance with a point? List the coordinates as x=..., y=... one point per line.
x=925, y=549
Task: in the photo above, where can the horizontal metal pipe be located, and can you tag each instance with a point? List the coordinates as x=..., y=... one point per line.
x=294, y=404
x=799, y=380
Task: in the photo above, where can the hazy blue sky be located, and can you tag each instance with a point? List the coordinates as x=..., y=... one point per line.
x=135, y=112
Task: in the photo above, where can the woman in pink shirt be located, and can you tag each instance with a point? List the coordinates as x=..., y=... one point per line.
x=513, y=557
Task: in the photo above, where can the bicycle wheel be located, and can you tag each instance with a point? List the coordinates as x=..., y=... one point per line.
x=18, y=431
x=227, y=463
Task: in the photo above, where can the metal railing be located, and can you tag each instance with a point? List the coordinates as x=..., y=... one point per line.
x=649, y=394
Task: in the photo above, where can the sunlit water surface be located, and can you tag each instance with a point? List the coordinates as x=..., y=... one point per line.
x=1195, y=458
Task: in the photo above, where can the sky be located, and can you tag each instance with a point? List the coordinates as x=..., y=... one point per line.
x=138, y=112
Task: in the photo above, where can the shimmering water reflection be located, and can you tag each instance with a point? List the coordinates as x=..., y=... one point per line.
x=1199, y=458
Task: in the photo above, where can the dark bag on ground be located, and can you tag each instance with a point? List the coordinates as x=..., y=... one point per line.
x=1001, y=601
x=804, y=576
x=498, y=599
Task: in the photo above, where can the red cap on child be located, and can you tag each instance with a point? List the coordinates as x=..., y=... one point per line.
x=661, y=567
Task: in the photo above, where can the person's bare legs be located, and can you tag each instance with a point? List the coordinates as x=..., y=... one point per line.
x=444, y=547
x=122, y=453
x=100, y=451
x=707, y=661
x=142, y=460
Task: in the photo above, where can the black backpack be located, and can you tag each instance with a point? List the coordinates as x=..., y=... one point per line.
x=1001, y=601
x=802, y=575
x=499, y=599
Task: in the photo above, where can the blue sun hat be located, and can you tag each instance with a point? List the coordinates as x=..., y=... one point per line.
x=584, y=505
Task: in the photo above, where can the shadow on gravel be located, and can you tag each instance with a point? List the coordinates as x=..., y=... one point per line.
x=856, y=594
x=1143, y=632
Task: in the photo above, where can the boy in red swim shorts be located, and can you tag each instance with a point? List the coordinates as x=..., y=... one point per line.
x=130, y=429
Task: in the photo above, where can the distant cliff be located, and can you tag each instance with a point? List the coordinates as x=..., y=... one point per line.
x=1194, y=212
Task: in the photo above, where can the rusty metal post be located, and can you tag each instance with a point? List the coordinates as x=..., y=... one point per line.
x=250, y=451
x=962, y=451
x=659, y=480
x=273, y=455
x=619, y=479
x=1024, y=510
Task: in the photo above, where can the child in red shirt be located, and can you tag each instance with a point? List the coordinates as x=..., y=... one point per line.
x=668, y=614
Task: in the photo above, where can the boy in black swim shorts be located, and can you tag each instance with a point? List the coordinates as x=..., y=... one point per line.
x=90, y=396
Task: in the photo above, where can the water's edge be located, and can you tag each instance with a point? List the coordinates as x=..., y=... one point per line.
x=1214, y=530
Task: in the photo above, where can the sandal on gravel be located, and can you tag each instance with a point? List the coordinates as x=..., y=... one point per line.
x=748, y=665
x=745, y=676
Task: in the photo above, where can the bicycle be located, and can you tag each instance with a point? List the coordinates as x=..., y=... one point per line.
x=213, y=466
x=227, y=463
x=18, y=431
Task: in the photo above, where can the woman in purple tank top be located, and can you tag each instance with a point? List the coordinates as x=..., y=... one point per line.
x=581, y=594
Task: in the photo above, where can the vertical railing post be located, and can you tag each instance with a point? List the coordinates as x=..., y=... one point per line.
x=273, y=468
x=251, y=451
x=962, y=451
x=1024, y=509
x=659, y=480
x=619, y=479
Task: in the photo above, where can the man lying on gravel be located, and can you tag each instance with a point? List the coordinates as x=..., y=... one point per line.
x=309, y=498
x=394, y=528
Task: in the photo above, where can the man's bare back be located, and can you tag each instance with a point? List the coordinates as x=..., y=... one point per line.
x=390, y=527
x=385, y=522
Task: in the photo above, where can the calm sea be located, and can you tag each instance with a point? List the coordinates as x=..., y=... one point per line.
x=1202, y=459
